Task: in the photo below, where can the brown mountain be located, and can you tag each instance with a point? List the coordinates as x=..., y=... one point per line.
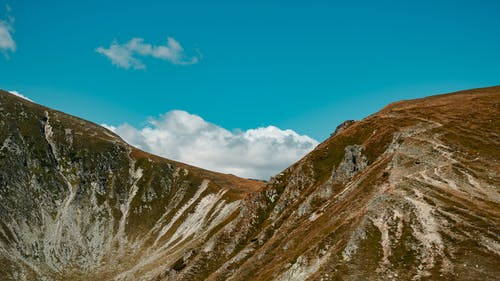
x=409, y=193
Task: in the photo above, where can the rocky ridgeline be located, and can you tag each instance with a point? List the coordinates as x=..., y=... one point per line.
x=409, y=193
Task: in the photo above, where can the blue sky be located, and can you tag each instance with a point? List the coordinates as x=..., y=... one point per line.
x=300, y=65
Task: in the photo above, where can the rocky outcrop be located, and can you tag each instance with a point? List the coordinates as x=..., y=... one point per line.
x=353, y=162
x=344, y=125
x=409, y=193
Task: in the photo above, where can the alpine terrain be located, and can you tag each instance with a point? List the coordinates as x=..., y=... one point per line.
x=409, y=193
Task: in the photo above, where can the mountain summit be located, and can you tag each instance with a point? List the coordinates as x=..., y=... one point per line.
x=408, y=193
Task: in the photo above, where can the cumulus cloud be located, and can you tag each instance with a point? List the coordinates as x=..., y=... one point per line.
x=254, y=153
x=127, y=55
x=16, y=93
x=7, y=42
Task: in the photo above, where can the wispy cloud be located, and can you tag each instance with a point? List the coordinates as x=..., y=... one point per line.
x=7, y=42
x=128, y=55
x=254, y=153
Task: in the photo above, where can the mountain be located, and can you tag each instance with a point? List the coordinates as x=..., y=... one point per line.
x=408, y=193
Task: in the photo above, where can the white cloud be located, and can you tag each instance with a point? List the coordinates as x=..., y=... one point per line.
x=7, y=42
x=255, y=153
x=126, y=55
x=16, y=93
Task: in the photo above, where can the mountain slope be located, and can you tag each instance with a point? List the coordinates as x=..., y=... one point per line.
x=409, y=193
x=77, y=202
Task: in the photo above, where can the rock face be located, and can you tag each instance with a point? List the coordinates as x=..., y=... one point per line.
x=409, y=193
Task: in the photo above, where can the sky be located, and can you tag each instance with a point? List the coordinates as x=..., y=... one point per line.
x=279, y=75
